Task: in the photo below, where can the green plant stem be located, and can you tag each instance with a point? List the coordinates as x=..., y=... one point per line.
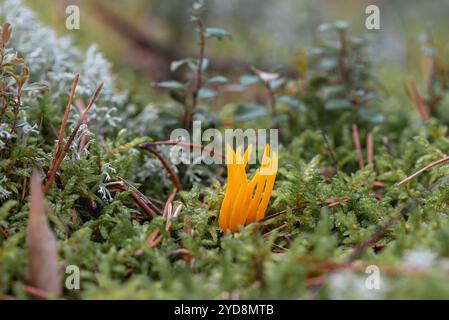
x=198, y=82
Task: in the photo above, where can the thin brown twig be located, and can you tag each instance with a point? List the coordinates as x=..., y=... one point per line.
x=370, y=148
x=169, y=201
x=154, y=238
x=331, y=202
x=143, y=202
x=24, y=189
x=427, y=167
x=57, y=161
x=173, y=176
x=377, y=235
x=282, y=226
x=170, y=212
x=420, y=102
x=361, y=248
x=74, y=216
x=140, y=202
x=188, y=229
x=66, y=116
x=53, y=130
x=198, y=78
x=416, y=100
x=146, y=199
x=180, y=252
x=84, y=140
x=271, y=98
x=356, y=137
x=409, y=95
x=4, y=232
x=279, y=247
x=274, y=215
x=150, y=212
x=36, y=292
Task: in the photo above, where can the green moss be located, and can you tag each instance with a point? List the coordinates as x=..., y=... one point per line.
x=330, y=206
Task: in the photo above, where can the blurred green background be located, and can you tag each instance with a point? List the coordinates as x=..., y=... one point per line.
x=141, y=37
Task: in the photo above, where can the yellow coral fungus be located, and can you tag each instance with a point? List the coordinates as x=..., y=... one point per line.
x=246, y=201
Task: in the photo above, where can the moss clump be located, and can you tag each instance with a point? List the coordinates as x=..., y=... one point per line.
x=332, y=213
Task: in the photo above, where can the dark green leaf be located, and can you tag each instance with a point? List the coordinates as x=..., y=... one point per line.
x=247, y=80
x=218, y=79
x=275, y=84
x=181, y=98
x=169, y=84
x=35, y=86
x=293, y=103
x=249, y=111
x=217, y=33
x=337, y=104
x=206, y=93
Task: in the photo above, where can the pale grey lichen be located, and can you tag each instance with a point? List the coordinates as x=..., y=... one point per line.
x=4, y=194
x=54, y=60
x=142, y=123
x=78, y=150
x=106, y=181
x=350, y=285
x=4, y=135
x=420, y=259
x=153, y=168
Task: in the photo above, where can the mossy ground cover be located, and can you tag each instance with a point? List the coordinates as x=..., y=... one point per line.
x=337, y=207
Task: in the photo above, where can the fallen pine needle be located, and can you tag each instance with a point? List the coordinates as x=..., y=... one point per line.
x=429, y=166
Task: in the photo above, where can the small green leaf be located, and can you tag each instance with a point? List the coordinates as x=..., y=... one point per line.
x=277, y=83
x=205, y=93
x=280, y=119
x=266, y=76
x=328, y=63
x=249, y=111
x=247, y=80
x=342, y=25
x=175, y=65
x=293, y=103
x=35, y=86
x=176, y=96
x=371, y=115
x=332, y=91
x=217, y=33
x=324, y=27
x=337, y=104
x=218, y=79
x=169, y=84
x=205, y=64
x=13, y=60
